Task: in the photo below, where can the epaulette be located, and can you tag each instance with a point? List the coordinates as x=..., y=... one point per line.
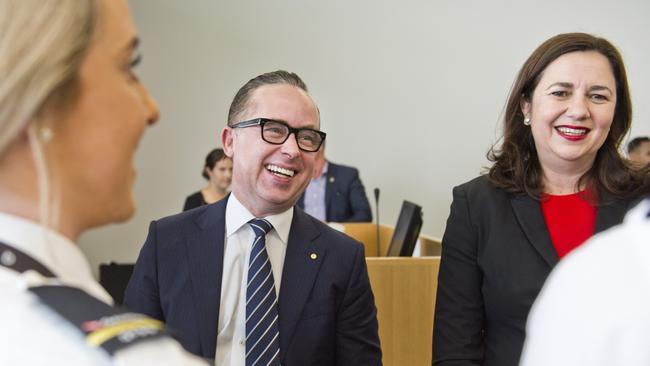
x=105, y=326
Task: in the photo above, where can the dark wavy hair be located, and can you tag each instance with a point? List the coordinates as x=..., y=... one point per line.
x=516, y=167
x=213, y=157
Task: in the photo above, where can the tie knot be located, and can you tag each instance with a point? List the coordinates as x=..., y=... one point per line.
x=261, y=227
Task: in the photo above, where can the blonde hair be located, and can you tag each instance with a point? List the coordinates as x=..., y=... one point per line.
x=42, y=44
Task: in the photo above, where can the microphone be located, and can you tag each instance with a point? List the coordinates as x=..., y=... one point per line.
x=377, y=222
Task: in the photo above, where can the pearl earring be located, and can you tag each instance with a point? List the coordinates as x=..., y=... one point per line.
x=45, y=133
x=527, y=121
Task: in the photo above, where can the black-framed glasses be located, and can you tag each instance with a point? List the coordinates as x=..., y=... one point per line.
x=277, y=132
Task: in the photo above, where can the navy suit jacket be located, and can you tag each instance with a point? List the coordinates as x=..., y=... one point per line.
x=327, y=310
x=345, y=197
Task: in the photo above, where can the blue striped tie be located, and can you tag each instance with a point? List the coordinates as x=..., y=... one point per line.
x=262, y=329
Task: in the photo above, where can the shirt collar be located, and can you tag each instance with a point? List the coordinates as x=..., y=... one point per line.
x=325, y=166
x=58, y=253
x=238, y=216
x=323, y=173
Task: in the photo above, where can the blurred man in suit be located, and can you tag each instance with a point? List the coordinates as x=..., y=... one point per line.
x=251, y=279
x=638, y=150
x=335, y=193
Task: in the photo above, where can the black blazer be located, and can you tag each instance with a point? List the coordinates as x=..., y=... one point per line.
x=345, y=196
x=496, y=254
x=327, y=309
x=194, y=200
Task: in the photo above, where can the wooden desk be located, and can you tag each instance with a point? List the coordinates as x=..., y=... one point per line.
x=405, y=295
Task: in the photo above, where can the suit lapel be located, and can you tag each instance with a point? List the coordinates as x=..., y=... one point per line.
x=301, y=201
x=610, y=214
x=205, y=246
x=529, y=215
x=301, y=264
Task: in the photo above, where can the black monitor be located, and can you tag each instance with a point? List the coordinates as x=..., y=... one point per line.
x=407, y=231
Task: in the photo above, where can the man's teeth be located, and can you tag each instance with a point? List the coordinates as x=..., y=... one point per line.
x=572, y=131
x=276, y=169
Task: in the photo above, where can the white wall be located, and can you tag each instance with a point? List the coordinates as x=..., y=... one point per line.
x=411, y=92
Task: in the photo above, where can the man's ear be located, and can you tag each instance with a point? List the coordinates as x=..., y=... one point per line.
x=227, y=141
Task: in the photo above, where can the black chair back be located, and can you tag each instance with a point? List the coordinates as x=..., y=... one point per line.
x=114, y=277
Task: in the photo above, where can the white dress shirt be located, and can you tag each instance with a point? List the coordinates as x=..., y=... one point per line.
x=231, y=344
x=595, y=306
x=33, y=334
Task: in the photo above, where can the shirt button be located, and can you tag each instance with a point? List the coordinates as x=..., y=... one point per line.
x=241, y=342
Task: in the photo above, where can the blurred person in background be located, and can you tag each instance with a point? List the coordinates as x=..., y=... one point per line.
x=335, y=193
x=218, y=172
x=638, y=150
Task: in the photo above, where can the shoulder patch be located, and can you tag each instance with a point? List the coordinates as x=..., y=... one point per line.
x=111, y=328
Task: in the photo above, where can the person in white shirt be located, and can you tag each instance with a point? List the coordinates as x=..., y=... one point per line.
x=593, y=309
x=71, y=114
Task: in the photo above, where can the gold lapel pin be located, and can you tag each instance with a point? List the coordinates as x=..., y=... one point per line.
x=313, y=256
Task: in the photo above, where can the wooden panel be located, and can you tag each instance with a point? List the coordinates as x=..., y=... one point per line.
x=366, y=233
x=405, y=293
x=429, y=246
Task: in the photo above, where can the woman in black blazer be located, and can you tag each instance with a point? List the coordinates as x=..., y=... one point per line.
x=566, y=116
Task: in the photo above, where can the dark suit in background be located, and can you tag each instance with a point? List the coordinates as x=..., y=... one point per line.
x=496, y=255
x=327, y=312
x=345, y=196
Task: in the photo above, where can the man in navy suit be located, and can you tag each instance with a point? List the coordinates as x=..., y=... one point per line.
x=335, y=193
x=196, y=271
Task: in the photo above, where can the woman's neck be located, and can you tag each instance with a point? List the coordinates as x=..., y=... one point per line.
x=212, y=194
x=18, y=189
x=564, y=180
x=19, y=193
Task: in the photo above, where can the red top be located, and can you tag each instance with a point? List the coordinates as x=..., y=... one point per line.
x=570, y=220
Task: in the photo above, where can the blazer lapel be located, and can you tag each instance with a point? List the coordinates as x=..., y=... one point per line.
x=301, y=264
x=610, y=214
x=530, y=218
x=205, y=246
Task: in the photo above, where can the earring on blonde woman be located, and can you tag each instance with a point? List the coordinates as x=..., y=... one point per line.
x=45, y=134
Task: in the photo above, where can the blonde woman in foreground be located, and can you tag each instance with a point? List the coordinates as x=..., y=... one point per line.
x=71, y=114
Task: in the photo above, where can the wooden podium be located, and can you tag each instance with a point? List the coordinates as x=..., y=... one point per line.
x=405, y=295
x=366, y=233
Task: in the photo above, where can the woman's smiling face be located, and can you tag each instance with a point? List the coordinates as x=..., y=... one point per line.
x=572, y=109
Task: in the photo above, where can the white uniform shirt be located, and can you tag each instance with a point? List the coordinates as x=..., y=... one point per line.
x=32, y=334
x=595, y=306
x=231, y=345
